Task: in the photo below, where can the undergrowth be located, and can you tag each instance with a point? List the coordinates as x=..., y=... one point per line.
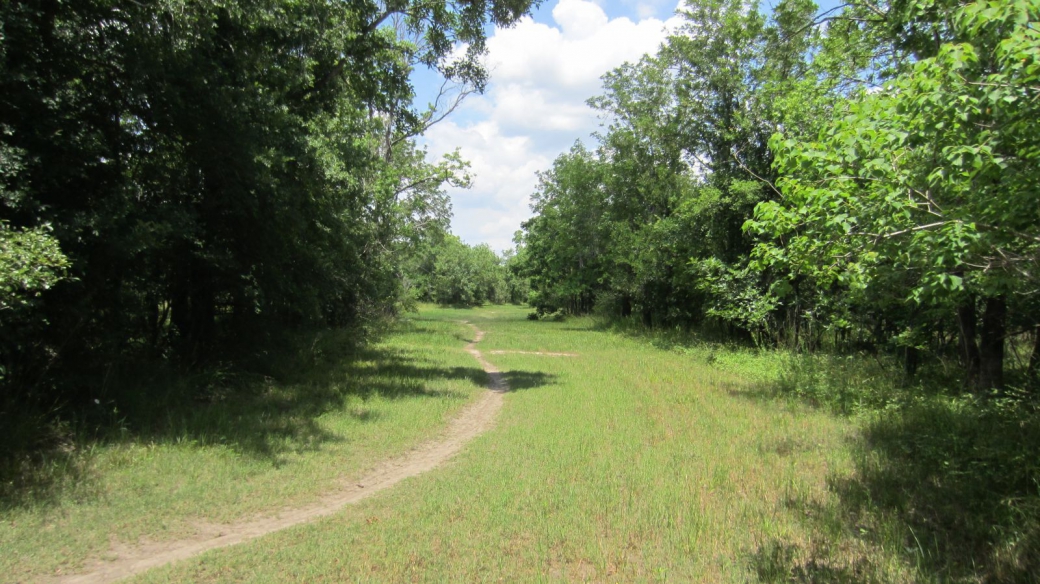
x=49, y=443
x=620, y=463
x=623, y=463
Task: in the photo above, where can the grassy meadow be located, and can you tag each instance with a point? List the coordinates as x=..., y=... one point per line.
x=644, y=458
x=626, y=463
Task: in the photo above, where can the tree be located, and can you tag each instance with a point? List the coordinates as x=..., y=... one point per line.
x=638, y=224
x=208, y=168
x=930, y=183
x=564, y=242
x=461, y=275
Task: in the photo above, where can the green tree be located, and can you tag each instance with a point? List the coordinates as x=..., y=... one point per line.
x=928, y=186
x=564, y=243
x=638, y=224
x=208, y=167
x=464, y=275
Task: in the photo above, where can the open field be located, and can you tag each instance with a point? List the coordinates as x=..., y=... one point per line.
x=616, y=456
x=624, y=463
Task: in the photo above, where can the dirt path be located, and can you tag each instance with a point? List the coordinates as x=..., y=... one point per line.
x=125, y=561
x=539, y=353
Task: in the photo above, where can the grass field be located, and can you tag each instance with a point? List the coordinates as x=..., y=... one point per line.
x=643, y=457
x=625, y=463
x=260, y=446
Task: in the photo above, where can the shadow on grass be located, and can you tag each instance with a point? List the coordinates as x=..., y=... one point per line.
x=947, y=486
x=524, y=380
x=666, y=338
x=778, y=562
x=267, y=410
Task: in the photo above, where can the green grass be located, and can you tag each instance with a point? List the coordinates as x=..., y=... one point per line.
x=247, y=447
x=627, y=463
x=947, y=480
x=648, y=457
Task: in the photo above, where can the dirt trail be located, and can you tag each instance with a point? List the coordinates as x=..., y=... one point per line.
x=539, y=353
x=125, y=561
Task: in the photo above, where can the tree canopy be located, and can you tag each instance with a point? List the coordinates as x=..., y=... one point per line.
x=176, y=171
x=860, y=177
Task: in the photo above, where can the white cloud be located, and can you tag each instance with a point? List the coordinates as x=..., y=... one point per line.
x=578, y=19
x=646, y=9
x=534, y=109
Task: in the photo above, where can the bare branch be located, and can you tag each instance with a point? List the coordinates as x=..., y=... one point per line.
x=829, y=15
x=432, y=117
x=416, y=183
x=917, y=228
x=341, y=64
x=752, y=173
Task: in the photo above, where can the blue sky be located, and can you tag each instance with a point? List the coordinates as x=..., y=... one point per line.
x=542, y=71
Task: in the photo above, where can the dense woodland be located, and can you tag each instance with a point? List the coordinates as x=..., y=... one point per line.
x=179, y=176
x=861, y=179
x=446, y=271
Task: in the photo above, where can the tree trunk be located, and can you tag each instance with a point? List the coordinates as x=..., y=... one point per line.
x=991, y=347
x=193, y=302
x=970, y=358
x=1034, y=359
x=243, y=308
x=203, y=310
x=179, y=307
x=796, y=327
x=912, y=360
x=155, y=317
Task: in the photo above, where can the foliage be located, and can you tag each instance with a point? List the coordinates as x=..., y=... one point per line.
x=622, y=464
x=934, y=174
x=923, y=192
x=893, y=207
x=211, y=169
x=679, y=168
x=277, y=431
x=948, y=479
x=564, y=242
x=453, y=273
x=30, y=263
x=860, y=186
x=735, y=297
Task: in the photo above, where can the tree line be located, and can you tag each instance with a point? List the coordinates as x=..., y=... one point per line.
x=859, y=179
x=449, y=272
x=177, y=175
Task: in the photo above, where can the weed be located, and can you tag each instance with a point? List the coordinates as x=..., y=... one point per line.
x=648, y=456
x=949, y=481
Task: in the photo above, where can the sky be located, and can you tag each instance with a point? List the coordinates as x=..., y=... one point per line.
x=542, y=71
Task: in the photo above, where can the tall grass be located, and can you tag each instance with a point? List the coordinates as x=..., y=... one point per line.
x=651, y=456
x=944, y=481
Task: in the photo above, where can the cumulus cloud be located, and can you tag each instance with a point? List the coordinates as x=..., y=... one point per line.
x=534, y=109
